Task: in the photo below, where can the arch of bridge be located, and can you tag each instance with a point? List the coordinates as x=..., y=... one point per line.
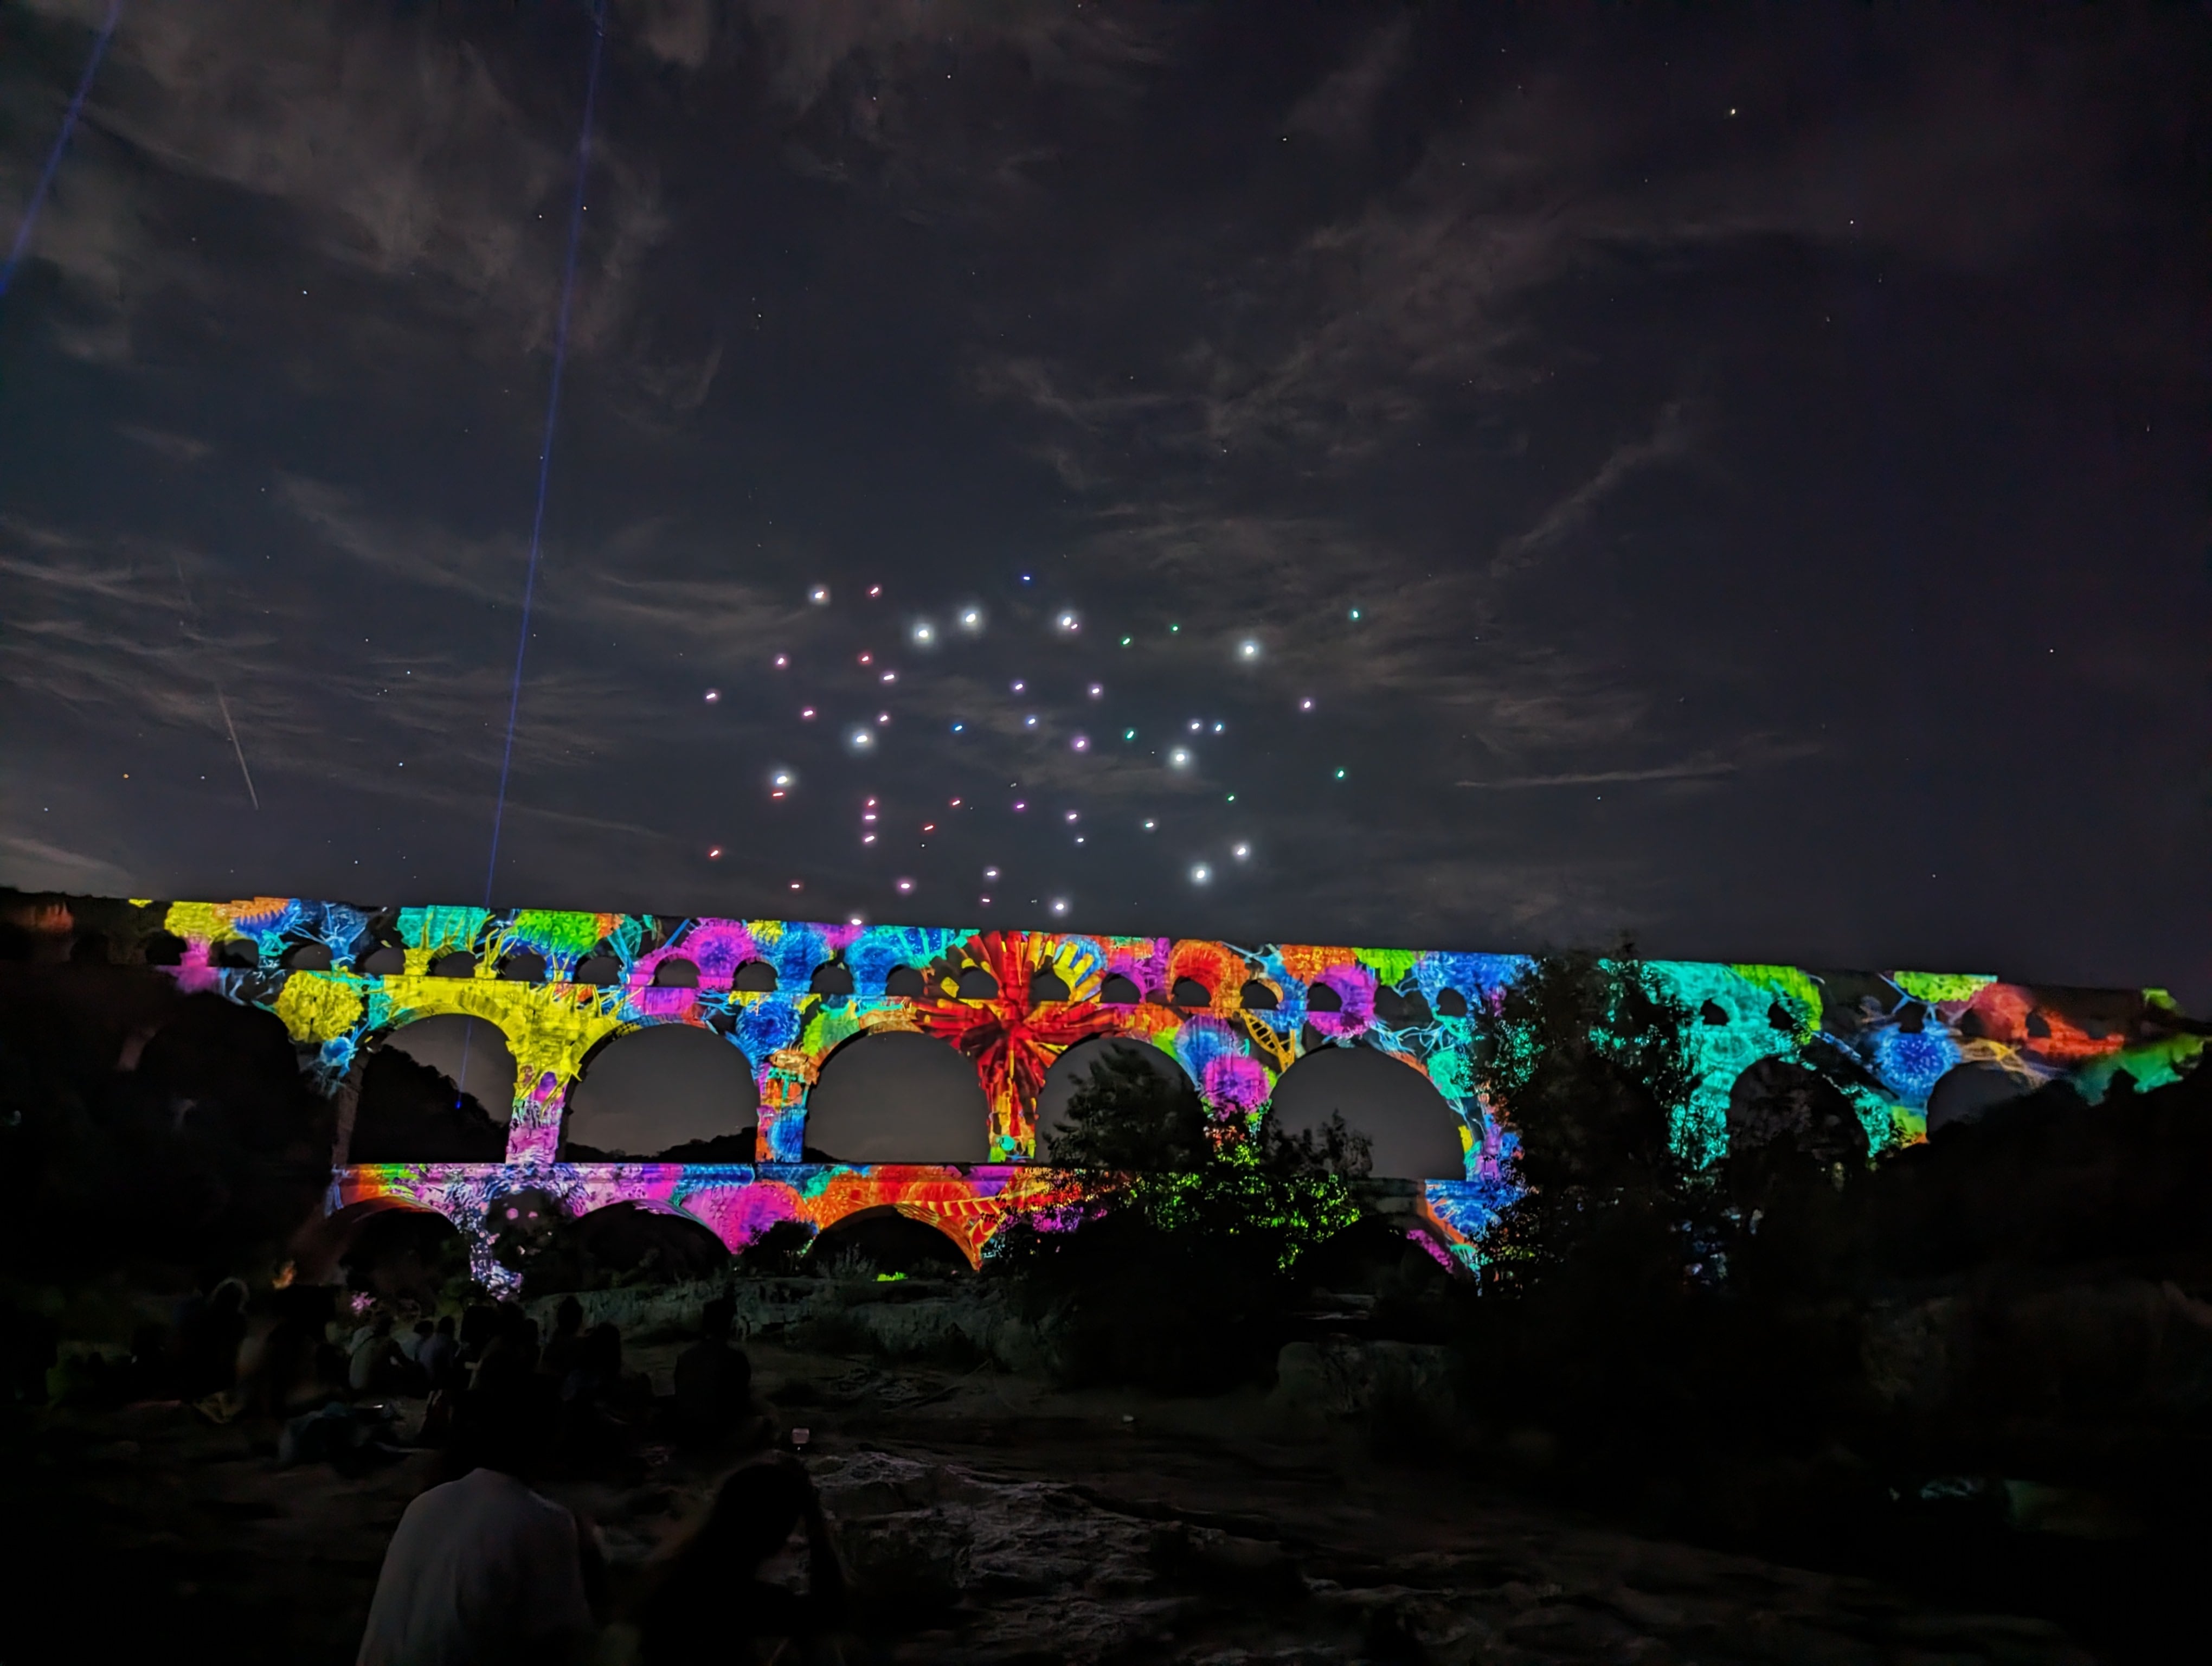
x=1926, y=1024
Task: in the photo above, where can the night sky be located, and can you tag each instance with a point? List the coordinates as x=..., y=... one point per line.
x=1479, y=476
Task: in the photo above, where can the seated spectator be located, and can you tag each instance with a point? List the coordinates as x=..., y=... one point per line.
x=714, y=1379
x=440, y=1356
x=708, y=1594
x=208, y=1342
x=410, y=1341
x=376, y=1364
x=481, y=1568
x=510, y=1359
x=560, y=1349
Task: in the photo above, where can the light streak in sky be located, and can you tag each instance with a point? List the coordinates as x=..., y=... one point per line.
x=23, y=229
x=545, y=444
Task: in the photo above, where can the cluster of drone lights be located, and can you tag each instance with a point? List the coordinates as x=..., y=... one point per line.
x=1232, y=1018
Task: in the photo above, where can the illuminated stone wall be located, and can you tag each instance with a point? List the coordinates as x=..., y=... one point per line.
x=1234, y=1018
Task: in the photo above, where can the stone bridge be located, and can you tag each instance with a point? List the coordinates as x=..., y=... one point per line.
x=558, y=985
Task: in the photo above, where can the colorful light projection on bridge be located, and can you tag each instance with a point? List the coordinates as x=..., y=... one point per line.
x=558, y=985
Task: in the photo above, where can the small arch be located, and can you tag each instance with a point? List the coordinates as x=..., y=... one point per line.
x=307, y=957
x=677, y=973
x=235, y=954
x=599, y=971
x=869, y=1243
x=165, y=949
x=1713, y=1012
x=1390, y=1005
x=1451, y=1004
x=892, y=1096
x=1323, y=998
x=1257, y=997
x=523, y=966
x=385, y=960
x=1412, y=1134
x=903, y=982
x=1046, y=984
x=460, y=963
x=755, y=977
x=1190, y=991
x=436, y=1091
x=1119, y=991
x=976, y=984
x=831, y=977
x=671, y=1092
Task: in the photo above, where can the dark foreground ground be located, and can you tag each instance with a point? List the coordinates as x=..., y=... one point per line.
x=990, y=1519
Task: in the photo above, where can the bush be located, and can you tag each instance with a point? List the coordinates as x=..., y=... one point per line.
x=1173, y=1264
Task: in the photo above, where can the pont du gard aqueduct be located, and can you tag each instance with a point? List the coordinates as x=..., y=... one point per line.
x=1907, y=1048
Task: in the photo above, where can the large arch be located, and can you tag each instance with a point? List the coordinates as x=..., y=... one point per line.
x=404, y=1254
x=893, y=1096
x=886, y=1240
x=1413, y=1133
x=628, y=1241
x=410, y=1106
x=1071, y=1069
x=672, y=1091
x=1967, y=1093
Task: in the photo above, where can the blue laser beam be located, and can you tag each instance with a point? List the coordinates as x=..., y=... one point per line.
x=545, y=447
x=22, y=245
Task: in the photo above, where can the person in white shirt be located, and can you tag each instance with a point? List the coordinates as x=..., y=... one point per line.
x=483, y=1570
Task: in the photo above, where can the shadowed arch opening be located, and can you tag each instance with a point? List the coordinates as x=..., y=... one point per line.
x=831, y=977
x=1071, y=1069
x=436, y=1091
x=1046, y=984
x=1119, y=991
x=600, y=970
x=1967, y=1093
x=671, y=1092
x=882, y=1240
x=904, y=981
x=675, y=973
x=1190, y=991
x=1257, y=997
x=405, y=1254
x=625, y=1243
x=307, y=957
x=1412, y=1135
x=523, y=966
x=755, y=977
x=976, y=984
x=460, y=963
x=895, y=1096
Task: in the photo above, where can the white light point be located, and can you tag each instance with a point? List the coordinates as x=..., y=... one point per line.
x=1202, y=874
x=714, y=695
x=1097, y=691
x=781, y=661
x=1030, y=722
x=1217, y=728
x=875, y=590
x=806, y=713
x=1305, y=705
x=883, y=717
x=1074, y=815
x=990, y=873
x=906, y=887
x=714, y=855
x=860, y=740
x=795, y=885
x=1081, y=742
x=1060, y=905
x=891, y=677
x=819, y=595
x=925, y=635
x=853, y=920
x=1247, y=650
x=971, y=619
x=1018, y=686
x=1179, y=759
x=1068, y=624
x=1149, y=826
x=1242, y=853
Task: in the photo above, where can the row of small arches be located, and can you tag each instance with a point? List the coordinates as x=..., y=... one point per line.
x=834, y=978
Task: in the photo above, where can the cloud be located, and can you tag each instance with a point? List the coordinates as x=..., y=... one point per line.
x=34, y=864
x=1669, y=439
x=177, y=447
x=1693, y=770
